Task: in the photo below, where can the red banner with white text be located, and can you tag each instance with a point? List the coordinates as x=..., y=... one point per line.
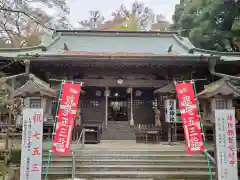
x=65, y=118
x=190, y=117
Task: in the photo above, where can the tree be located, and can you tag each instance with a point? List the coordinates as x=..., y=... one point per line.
x=22, y=25
x=94, y=21
x=210, y=24
x=138, y=17
x=160, y=23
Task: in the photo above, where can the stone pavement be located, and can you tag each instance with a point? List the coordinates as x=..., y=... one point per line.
x=118, y=144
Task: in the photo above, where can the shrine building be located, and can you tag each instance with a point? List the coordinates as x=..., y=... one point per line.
x=126, y=76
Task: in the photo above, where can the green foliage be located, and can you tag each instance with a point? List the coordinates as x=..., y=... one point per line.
x=15, y=158
x=210, y=24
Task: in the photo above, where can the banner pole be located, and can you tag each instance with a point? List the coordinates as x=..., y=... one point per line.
x=53, y=132
x=203, y=135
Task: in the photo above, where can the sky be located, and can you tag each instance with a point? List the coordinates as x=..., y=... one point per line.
x=79, y=9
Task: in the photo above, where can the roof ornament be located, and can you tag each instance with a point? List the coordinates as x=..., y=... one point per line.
x=170, y=48
x=44, y=49
x=54, y=34
x=65, y=47
x=191, y=51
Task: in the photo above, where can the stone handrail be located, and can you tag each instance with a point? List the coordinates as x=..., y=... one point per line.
x=81, y=137
x=212, y=159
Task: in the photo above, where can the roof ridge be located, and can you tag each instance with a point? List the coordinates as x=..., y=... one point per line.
x=110, y=31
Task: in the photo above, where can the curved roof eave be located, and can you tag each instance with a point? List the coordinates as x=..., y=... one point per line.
x=62, y=57
x=225, y=56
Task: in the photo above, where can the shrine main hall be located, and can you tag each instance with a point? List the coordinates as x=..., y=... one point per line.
x=126, y=76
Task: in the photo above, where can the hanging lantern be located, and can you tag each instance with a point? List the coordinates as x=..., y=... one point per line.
x=107, y=92
x=138, y=93
x=98, y=93
x=119, y=81
x=129, y=90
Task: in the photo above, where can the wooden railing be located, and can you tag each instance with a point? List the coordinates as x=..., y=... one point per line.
x=140, y=130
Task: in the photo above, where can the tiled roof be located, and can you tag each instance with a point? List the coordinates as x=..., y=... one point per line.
x=221, y=87
x=168, y=89
x=112, y=43
x=87, y=53
x=35, y=85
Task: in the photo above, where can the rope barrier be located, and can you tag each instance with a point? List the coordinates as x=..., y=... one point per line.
x=53, y=133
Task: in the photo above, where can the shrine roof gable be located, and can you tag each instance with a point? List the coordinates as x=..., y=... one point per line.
x=35, y=85
x=222, y=87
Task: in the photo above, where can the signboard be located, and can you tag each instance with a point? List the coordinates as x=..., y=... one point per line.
x=32, y=137
x=226, y=145
x=170, y=111
x=65, y=119
x=190, y=117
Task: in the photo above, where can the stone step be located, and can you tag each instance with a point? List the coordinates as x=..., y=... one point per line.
x=139, y=153
x=133, y=162
x=136, y=156
x=119, y=127
x=96, y=167
x=118, y=135
x=116, y=152
x=123, y=179
x=118, y=122
x=135, y=174
x=116, y=130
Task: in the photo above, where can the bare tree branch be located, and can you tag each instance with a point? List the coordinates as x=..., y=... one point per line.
x=26, y=14
x=23, y=25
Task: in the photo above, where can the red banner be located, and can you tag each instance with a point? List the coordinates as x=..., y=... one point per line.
x=190, y=117
x=65, y=120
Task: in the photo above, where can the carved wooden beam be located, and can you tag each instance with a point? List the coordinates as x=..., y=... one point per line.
x=125, y=83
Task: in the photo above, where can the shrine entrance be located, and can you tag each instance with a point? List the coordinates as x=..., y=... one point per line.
x=118, y=105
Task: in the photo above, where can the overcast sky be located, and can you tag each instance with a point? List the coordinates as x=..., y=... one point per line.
x=80, y=8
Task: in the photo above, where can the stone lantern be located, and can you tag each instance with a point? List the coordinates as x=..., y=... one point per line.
x=217, y=95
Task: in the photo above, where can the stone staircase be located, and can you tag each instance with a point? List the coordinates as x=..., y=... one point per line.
x=130, y=163
x=118, y=130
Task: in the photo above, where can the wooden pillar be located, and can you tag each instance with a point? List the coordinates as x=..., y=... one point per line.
x=131, y=108
x=106, y=105
x=8, y=139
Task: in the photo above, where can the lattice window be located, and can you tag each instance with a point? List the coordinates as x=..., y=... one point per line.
x=35, y=103
x=161, y=100
x=137, y=103
x=84, y=104
x=95, y=103
x=221, y=103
